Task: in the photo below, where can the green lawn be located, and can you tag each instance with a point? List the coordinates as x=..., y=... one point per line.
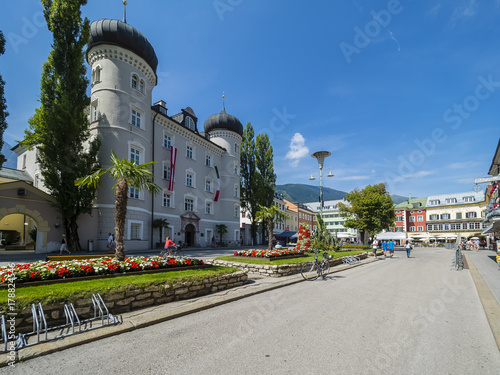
x=310, y=256
x=74, y=290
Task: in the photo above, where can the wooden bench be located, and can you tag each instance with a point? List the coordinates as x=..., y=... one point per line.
x=77, y=256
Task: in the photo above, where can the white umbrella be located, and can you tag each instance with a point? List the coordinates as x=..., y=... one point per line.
x=474, y=238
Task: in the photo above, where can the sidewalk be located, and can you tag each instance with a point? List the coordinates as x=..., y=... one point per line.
x=486, y=264
x=160, y=313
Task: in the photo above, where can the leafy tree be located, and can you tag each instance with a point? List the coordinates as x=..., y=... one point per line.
x=266, y=177
x=269, y=215
x=60, y=129
x=249, y=179
x=126, y=173
x=3, y=105
x=370, y=210
x=160, y=223
x=221, y=230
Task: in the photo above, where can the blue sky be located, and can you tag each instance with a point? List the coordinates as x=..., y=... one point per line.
x=403, y=92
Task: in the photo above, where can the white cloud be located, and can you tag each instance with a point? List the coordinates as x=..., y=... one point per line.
x=353, y=178
x=434, y=11
x=463, y=165
x=298, y=149
x=465, y=181
x=466, y=9
x=412, y=176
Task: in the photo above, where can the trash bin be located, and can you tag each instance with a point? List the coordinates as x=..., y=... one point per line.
x=90, y=245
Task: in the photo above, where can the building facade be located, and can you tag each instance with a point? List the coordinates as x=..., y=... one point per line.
x=458, y=215
x=334, y=222
x=198, y=171
x=411, y=216
x=492, y=212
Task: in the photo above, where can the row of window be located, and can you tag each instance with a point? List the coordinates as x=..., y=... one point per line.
x=136, y=232
x=458, y=215
x=136, y=83
x=190, y=204
x=412, y=218
x=436, y=202
x=455, y=226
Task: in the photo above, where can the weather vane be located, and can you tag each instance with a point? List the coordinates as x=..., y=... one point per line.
x=124, y=11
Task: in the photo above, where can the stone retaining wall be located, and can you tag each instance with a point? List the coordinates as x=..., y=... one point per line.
x=134, y=299
x=271, y=270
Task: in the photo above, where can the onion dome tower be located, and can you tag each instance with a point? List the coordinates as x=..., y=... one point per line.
x=226, y=131
x=123, y=64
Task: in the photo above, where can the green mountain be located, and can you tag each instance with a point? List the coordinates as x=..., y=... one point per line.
x=306, y=193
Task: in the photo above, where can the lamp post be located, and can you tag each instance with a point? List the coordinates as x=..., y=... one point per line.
x=320, y=156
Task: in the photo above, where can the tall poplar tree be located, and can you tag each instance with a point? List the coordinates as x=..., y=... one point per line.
x=60, y=128
x=249, y=179
x=3, y=105
x=266, y=176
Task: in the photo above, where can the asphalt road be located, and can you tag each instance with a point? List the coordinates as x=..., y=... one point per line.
x=393, y=316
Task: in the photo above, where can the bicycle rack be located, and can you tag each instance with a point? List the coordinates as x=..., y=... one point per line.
x=73, y=324
x=458, y=262
x=4, y=332
x=350, y=259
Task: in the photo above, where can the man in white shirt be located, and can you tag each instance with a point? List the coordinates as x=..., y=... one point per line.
x=110, y=240
x=375, y=246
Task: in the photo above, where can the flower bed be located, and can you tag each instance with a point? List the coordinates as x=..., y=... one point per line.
x=40, y=271
x=272, y=254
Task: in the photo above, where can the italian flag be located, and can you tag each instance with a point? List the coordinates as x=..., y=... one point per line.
x=173, y=157
x=216, y=198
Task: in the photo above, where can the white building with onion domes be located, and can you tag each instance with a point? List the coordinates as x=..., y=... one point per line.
x=200, y=186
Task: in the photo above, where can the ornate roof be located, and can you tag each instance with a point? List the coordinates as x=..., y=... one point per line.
x=223, y=121
x=122, y=34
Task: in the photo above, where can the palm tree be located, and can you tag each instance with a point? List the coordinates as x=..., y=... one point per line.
x=270, y=214
x=160, y=223
x=125, y=173
x=221, y=229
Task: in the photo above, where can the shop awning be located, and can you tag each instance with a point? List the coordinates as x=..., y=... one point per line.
x=494, y=227
x=391, y=236
x=345, y=235
x=287, y=233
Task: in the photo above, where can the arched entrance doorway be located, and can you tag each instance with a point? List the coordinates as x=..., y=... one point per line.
x=18, y=231
x=189, y=233
x=190, y=224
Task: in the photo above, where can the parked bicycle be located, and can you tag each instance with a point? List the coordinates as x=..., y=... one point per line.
x=176, y=252
x=459, y=260
x=313, y=269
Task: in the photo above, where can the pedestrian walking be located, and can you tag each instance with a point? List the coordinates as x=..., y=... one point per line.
x=498, y=259
x=384, y=247
x=408, y=248
x=64, y=245
x=375, y=247
x=390, y=246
